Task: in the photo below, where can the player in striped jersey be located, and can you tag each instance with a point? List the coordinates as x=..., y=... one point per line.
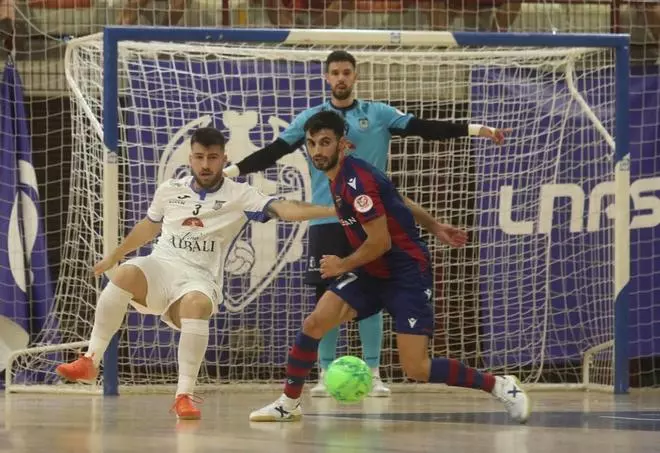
x=371, y=125
x=389, y=268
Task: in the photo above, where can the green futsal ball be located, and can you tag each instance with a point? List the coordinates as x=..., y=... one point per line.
x=348, y=379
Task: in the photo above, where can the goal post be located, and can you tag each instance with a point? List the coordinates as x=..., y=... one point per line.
x=542, y=291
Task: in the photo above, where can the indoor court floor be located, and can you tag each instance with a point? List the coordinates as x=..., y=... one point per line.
x=562, y=422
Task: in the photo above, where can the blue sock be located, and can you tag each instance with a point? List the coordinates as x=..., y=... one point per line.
x=371, y=336
x=328, y=348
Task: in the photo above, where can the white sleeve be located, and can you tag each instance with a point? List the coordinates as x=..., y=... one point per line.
x=156, y=210
x=255, y=204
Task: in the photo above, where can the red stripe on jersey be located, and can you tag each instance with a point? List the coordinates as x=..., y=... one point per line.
x=399, y=236
x=378, y=267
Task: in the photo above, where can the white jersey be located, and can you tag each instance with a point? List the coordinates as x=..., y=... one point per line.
x=199, y=227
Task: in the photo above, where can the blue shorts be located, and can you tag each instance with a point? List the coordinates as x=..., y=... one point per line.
x=408, y=298
x=324, y=239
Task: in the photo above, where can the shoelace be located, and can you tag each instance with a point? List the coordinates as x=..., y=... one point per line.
x=82, y=361
x=193, y=399
x=281, y=403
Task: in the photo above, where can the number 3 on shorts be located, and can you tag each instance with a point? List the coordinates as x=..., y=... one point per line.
x=346, y=279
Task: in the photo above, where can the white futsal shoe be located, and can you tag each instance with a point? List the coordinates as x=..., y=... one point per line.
x=378, y=388
x=284, y=409
x=508, y=390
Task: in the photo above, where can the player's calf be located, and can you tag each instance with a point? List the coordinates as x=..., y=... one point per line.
x=111, y=308
x=191, y=313
x=506, y=389
x=329, y=312
x=418, y=366
x=417, y=371
x=371, y=337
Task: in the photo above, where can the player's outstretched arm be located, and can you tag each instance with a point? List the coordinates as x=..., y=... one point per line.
x=144, y=231
x=407, y=125
x=260, y=160
x=447, y=234
x=290, y=140
x=443, y=130
x=377, y=243
x=295, y=210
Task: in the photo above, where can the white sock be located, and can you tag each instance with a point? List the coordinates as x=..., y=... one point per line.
x=110, y=310
x=375, y=372
x=192, y=348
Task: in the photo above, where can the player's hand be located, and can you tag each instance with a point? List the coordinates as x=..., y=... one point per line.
x=106, y=263
x=331, y=266
x=450, y=235
x=496, y=135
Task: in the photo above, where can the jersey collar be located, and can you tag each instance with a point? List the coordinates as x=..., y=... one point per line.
x=203, y=192
x=344, y=109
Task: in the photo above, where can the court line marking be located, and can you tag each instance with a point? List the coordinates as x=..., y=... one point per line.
x=618, y=417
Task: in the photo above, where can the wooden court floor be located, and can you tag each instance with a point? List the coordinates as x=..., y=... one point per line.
x=422, y=422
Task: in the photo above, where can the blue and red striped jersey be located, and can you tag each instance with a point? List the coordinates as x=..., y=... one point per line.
x=363, y=193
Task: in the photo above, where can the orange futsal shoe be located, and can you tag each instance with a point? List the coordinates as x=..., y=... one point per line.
x=185, y=408
x=81, y=370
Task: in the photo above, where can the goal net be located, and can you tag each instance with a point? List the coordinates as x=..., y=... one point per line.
x=533, y=293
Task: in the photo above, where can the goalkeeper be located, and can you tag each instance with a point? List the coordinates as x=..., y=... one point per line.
x=370, y=128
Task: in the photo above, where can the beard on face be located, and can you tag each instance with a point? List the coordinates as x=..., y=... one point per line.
x=342, y=93
x=210, y=180
x=326, y=163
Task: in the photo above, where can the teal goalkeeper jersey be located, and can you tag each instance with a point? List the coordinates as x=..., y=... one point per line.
x=369, y=130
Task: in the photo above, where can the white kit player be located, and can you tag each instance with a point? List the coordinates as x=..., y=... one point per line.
x=198, y=217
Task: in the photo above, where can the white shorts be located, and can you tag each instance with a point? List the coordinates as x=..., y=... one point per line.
x=168, y=282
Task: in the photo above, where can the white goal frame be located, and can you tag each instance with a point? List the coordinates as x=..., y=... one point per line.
x=619, y=43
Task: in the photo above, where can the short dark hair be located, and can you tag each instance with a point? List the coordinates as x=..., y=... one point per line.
x=208, y=136
x=337, y=56
x=326, y=119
